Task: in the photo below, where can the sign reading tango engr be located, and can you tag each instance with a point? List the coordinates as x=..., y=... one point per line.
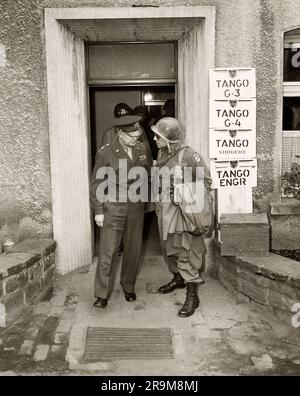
x=238, y=173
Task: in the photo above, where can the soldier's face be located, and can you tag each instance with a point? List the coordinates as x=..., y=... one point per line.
x=129, y=139
x=160, y=142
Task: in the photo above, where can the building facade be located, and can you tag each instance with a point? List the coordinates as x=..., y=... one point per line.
x=44, y=98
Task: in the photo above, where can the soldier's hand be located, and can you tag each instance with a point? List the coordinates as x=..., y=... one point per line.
x=99, y=219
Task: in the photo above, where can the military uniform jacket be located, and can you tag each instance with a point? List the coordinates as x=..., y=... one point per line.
x=175, y=241
x=190, y=159
x=108, y=157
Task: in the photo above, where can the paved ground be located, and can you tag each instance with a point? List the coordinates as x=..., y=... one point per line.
x=220, y=338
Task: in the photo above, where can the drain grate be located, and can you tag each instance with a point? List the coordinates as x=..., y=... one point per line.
x=105, y=343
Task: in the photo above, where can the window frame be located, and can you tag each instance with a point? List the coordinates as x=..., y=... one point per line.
x=291, y=88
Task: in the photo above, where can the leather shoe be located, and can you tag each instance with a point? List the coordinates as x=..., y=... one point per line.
x=130, y=296
x=100, y=302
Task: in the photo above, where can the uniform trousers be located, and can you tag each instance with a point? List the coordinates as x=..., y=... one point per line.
x=188, y=262
x=121, y=220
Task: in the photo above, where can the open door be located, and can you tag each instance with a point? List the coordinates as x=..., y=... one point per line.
x=153, y=98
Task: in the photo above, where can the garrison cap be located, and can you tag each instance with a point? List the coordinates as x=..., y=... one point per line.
x=128, y=123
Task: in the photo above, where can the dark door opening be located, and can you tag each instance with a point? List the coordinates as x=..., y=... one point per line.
x=102, y=103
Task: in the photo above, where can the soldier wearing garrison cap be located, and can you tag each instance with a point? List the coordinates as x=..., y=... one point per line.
x=119, y=218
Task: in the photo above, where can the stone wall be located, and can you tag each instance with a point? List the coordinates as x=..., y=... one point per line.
x=272, y=282
x=26, y=273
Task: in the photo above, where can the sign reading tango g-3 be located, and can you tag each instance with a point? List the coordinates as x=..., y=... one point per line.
x=232, y=83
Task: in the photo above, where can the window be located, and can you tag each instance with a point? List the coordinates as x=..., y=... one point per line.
x=291, y=81
x=131, y=62
x=291, y=100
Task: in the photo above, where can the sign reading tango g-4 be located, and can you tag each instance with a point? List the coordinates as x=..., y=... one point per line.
x=239, y=114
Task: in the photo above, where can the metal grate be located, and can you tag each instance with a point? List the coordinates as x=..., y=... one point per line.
x=105, y=343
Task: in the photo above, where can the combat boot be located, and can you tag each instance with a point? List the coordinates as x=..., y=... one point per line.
x=176, y=283
x=191, y=301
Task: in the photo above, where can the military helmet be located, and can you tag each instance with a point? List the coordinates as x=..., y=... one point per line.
x=169, y=103
x=168, y=128
x=141, y=111
x=122, y=109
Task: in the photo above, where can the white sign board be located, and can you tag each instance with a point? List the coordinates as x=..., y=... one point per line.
x=233, y=114
x=232, y=143
x=237, y=173
x=232, y=83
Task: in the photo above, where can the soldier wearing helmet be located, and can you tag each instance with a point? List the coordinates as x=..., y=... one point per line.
x=183, y=251
x=109, y=135
x=122, y=109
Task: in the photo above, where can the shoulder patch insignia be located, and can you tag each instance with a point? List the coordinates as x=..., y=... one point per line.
x=197, y=158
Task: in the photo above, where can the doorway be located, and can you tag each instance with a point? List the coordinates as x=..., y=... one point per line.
x=135, y=74
x=104, y=99
x=102, y=104
x=66, y=32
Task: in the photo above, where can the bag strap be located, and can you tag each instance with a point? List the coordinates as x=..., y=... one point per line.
x=180, y=151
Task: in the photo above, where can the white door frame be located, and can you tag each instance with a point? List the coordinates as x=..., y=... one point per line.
x=68, y=113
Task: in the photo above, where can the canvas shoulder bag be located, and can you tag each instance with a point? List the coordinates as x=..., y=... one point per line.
x=196, y=205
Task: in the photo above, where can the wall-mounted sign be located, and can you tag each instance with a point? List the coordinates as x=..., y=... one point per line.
x=233, y=114
x=232, y=83
x=232, y=137
x=235, y=173
x=232, y=143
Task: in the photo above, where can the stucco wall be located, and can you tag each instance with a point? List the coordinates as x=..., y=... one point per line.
x=248, y=33
x=25, y=195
